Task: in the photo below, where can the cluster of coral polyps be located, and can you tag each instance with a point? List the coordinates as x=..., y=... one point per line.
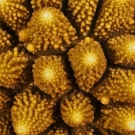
x=67, y=67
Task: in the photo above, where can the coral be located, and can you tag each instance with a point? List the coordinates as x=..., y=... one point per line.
x=37, y=4
x=30, y=114
x=4, y=99
x=116, y=17
x=50, y=76
x=88, y=62
x=119, y=118
x=81, y=13
x=87, y=130
x=122, y=50
x=5, y=125
x=58, y=131
x=5, y=39
x=76, y=110
x=118, y=85
x=12, y=64
x=48, y=29
x=13, y=13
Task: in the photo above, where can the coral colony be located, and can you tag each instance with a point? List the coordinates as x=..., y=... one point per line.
x=67, y=67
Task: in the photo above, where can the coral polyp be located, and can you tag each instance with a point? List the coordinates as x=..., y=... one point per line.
x=76, y=110
x=12, y=65
x=81, y=13
x=122, y=50
x=37, y=4
x=50, y=76
x=52, y=30
x=119, y=118
x=118, y=85
x=116, y=17
x=31, y=114
x=14, y=13
x=88, y=62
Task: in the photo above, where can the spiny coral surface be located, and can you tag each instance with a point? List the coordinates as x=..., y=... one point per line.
x=119, y=118
x=48, y=29
x=31, y=114
x=122, y=50
x=37, y=4
x=118, y=85
x=76, y=110
x=88, y=62
x=13, y=13
x=12, y=65
x=50, y=76
x=116, y=17
x=81, y=13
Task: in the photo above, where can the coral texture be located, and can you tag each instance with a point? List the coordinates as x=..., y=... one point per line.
x=14, y=13
x=5, y=39
x=5, y=126
x=119, y=118
x=37, y=4
x=87, y=130
x=122, y=50
x=48, y=29
x=58, y=131
x=50, y=76
x=88, y=62
x=31, y=114
x=76, y=110
x=116, y=17
x=12, y=64
x=81, y=13
x=4, y=99
x=118, y=85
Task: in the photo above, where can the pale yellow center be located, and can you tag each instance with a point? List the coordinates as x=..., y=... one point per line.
x=77, y=118
x=133, y=87
x=46, y=16
x=2, y=1
x=89, y=59
x=21, y=130
x=131, y=47
x=131, y=125
x=48, y=74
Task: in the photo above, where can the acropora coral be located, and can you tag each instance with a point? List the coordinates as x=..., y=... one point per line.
x=4, y=99
x=14, y=13
x=48, y=28
x=119, y=118
x=50, y=76
x=86, y=130
x=37, y=4
x=81, y=13
x=77, y=110
x=5, y=38
x=118, y=85
x=31, y=114
x=116, y=17
x=88, y=62
x=12, y=64
x=121, y=50
x=58, y=131
x=5, y=125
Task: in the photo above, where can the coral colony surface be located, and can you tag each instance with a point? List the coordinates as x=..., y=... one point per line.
x=67, y=67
